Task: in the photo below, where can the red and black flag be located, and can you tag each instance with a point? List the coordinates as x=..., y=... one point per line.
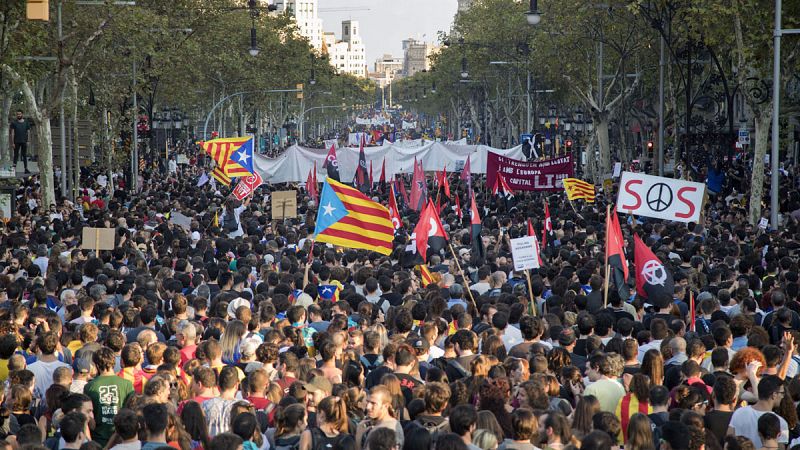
x=362, y=180
x=332, y=164
x=429, y=232
x=475, y=228
x=419, y=187
x=654, y=281
x=615, y=256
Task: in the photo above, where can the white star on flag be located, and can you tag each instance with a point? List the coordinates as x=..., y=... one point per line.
x=329, y=209
x=243, y=156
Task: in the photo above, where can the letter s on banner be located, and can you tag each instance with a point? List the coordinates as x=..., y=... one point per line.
x=682, y=198
x=633, y=194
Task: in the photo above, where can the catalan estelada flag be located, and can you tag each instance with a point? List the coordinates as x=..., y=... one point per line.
x=348, y=218
x=234, y=156
x=425, y=275
x=579, y=189
x=220, y=176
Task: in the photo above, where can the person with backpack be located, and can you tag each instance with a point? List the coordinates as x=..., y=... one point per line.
x=290, y=424
x=436, y=397
x=230, y=218
x=330, y=433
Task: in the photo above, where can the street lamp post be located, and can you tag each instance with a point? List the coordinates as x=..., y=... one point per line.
x=534, y=17
x=776, y=108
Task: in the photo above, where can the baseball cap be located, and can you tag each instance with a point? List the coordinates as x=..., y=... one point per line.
x=195, y=236
x=319, y=384
x=566, y=337
x=463, y=252
x=421, y=345
x=82, y=365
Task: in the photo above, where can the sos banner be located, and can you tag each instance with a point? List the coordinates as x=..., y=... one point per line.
x=660, y=197
x=543, y=175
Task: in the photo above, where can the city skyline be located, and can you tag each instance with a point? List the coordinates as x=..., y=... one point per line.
x=379, y=25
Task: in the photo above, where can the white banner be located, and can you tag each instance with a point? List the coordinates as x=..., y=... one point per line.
x=295, y=163
x=660, y=197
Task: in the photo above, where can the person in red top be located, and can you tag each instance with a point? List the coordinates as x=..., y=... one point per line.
x=286, y=368
x=187, y=341
x=204, y=386
x=131, y=360
x=258, y=381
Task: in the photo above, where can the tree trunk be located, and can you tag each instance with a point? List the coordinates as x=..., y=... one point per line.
x=589, y=169
x=601, y=130
x=5, y=111
x=44, y=152
x=763, y=119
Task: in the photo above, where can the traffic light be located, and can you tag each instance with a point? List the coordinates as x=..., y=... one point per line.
x=300, y=88
x=650, y=148
x=38, y=10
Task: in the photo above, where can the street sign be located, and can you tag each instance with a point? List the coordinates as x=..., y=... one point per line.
x=744, y=136
x=660, y=197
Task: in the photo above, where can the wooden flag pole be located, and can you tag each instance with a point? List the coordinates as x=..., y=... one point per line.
x=463, y=276
x=530, y=293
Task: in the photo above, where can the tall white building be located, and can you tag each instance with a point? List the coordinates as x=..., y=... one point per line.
x=347, y=55
x=306, y=16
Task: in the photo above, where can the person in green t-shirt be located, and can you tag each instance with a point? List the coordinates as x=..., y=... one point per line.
x=108, y=392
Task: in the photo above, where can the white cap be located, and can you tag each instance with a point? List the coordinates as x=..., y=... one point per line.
x=235, y=304
x=195, y=236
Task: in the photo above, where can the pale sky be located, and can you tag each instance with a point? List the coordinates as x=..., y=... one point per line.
x=388, y=22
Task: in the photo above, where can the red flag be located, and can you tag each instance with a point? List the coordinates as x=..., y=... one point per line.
x=315, y=176
x=532, y=233
x=500, y=185
x=653, y=281
x=394, y=211
x=403, y=191
x=692, y=310
x=615, y=256
x=465, y=172
x=445, y=183
x=475, y=217
x=548, y=224
x=310, y=187
x=419, y=187
x=459, y=213
x=383, y=172
x=361, y=170
x=429, y=231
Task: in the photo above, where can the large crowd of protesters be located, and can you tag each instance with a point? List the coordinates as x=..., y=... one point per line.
x=236, y=331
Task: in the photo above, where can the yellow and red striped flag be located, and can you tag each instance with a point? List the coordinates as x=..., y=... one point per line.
x=348, y=218
x=220, y=176
x=221, y=150
x=576, y=189
x=425, y=275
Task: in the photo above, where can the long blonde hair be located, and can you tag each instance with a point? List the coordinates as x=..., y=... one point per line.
x=231, y=338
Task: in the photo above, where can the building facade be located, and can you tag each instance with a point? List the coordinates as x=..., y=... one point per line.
x=347, y=55
x=306, y=15
x=417, y=56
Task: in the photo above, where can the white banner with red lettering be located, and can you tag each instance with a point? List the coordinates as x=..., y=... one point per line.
x=660, y=197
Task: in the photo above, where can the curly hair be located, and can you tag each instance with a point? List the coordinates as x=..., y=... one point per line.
x=744, y=357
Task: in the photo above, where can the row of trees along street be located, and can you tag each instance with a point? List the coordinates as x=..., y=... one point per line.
x=599, y=63
x=186, y=53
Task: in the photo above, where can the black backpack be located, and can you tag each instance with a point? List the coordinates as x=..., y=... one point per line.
x=230, y=224
x=291, y=443
x=321, y=442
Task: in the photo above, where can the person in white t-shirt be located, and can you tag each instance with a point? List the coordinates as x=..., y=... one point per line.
x=744, y=421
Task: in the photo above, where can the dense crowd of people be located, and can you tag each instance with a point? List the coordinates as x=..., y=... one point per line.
x=237, y=331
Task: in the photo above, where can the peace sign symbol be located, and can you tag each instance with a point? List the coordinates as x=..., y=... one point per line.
x=659, y=197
